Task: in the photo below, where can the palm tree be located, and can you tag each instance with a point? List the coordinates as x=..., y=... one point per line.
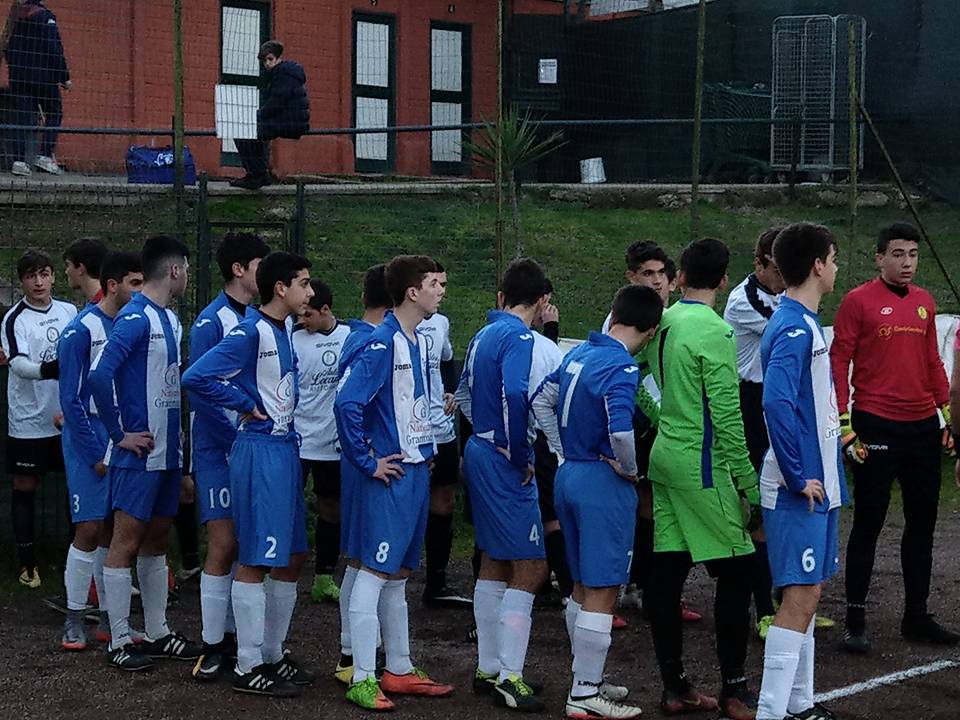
x=517, y=138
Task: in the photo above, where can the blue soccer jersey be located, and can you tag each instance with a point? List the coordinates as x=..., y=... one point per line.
x=213, y=428
x=800, y=409
x=383, y=401
x=141, y=359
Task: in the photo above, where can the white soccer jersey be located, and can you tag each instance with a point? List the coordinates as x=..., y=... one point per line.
x=436, y=329
x=30, y=337
x=749, y=308
x=546, y=358
x=318, y=355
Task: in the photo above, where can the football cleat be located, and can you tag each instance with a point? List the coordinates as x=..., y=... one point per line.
x=173, y=646
x=599, y=706
x=924, y=629
x=515, y=694
x=262, y=681
x=129, y=658
x=30, y=578
x=344, y=670
x=446, y=597
x=483, y=683
x=211, y=663
x=690, y=701
x=817, y=712
x=293, y=672
x=74, y=635
x=368, y=695
x=325, y=589
x=739, y=705
x=763, y=626
x=415, y=682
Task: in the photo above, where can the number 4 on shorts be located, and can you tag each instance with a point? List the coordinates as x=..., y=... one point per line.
x=534, y=534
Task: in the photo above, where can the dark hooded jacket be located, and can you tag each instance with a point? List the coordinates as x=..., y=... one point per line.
x=34, y=52
x=285, y=111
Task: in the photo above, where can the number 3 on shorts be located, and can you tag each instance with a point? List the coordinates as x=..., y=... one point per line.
x=534, y=534
x=808, y=561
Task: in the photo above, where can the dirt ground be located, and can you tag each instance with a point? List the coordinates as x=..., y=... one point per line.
x=40, y=681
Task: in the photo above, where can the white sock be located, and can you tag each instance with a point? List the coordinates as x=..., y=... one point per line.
x=214, y=601
x=116, y=586
x=395, y=626
x=516, y=619
x=487, y=598
x=781, y=655
x=152, y=574
x=591, y=641
x=230, y=624
x=570, y=618
x=99, y=557
x=346, y=587
x=250, y=609
x=281, y=601
x=364, y=626
x=76, y=577
x=801, y=697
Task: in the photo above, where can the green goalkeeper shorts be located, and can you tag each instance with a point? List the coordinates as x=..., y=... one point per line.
x=706, y=522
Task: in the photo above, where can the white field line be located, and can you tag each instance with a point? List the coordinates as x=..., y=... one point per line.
x=891, y=679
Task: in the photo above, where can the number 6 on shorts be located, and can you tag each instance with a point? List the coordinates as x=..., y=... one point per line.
x=808, y=561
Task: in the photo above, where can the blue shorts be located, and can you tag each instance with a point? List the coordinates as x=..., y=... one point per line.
x=145, y=494
x=803, y=547
x=350, y=533
x=393, y=519
x=267, y=495
x=597, y=510
x=213, y=493
x=506, y=513
x=89, y=493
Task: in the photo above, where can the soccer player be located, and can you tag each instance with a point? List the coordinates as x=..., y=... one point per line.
x=589, y=403
x=954, y=406
x=647, y=266
x=498, y=465
x=700, y=471
x=886, y=329
x=31, y=329
x=213, y=429
x=446, y=463
x=318, y=341
x=85, y=441
x=84, y=259
x=253, y=372
x=376, y=302
x=750, y=306
x=135, y=385
x=802, y=483
x=383, y=411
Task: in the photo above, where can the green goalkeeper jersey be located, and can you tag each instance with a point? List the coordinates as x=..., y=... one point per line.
x=700, y=441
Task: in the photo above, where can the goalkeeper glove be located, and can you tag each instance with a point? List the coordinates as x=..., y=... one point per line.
x=949, y=446
x=852, y=446
x=750, y=504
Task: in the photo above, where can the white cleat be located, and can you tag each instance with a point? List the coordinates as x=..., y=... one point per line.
x=614, y=693
x=599, y=706
x=47, y=164
x=20, y=168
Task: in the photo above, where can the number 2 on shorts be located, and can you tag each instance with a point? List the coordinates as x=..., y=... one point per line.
x=271, y=552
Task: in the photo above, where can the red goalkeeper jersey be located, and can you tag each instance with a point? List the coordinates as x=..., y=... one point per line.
x=892, y=342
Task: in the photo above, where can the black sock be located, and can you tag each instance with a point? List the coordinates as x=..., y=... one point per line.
x=762, y=582
x=475, y=561
x=438, y=541
x=186, y=524
x=23, y=532
x=328, y=546
x=557, y=561
x=642, y=553
x=856, y=619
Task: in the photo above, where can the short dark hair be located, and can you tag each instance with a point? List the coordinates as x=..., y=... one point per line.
x=32, y=261
x=764, y=248
x=88, y=252
x=404, y=272
x=440, y=267
x=897, y=231
x=157, y=253
x=278, y=267
x=670, y=269
x=641, y=251
x=240, y=248
x=117, y=265
x=704, y=263
x=523, y=283
x=270, y=47
x=547, y=286
x=797, y=247
x=375, y=293
x=322, y=295
x=636, y=306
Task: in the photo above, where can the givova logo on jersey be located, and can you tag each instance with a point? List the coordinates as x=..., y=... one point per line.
x=169, y=398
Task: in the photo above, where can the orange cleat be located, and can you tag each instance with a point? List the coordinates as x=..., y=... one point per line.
x=688, y=614
x=620, y=622
x=415, y=682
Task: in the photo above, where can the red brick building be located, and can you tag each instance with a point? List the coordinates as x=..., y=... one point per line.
x=368, y=62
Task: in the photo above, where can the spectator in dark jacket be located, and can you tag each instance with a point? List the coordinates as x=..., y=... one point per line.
x=284, y=113
x=38, y=70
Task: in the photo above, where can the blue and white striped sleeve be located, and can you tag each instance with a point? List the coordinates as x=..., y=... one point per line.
x=790, y=349
x=210, y=377
x=128, y=330
x=515, y=371
x=362, y=381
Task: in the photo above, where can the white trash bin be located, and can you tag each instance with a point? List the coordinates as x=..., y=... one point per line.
x=591, y=171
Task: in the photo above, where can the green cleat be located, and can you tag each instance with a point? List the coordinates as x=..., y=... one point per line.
x=763, y=626
x=325, y=589
x=367, y=694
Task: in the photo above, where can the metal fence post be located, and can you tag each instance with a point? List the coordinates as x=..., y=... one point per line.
x=300, y=220
x=204, y=250
x=178, y=118
x=697, y=123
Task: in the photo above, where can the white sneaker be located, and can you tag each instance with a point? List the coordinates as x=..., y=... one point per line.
x=47, y=164
x=616, y=693
x=20, y=168
x=631, y=597
x=598, y=706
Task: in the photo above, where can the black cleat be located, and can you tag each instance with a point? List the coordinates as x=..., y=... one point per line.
x=446, y=597
x=174, y=647
x=211, y=664
x=817, y=712
x=924, y=629
x=291, y=671
x=515, y=694
x=262, y=681
x=129, y=658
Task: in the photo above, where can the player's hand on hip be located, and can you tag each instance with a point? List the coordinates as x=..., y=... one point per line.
x=529, y=476
x=254, y=414
x=187, y=489
x=137, y=442
x=100, y=469
x=618, y=469
x=388, y=468
x=814, y=493
x=449, y=404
